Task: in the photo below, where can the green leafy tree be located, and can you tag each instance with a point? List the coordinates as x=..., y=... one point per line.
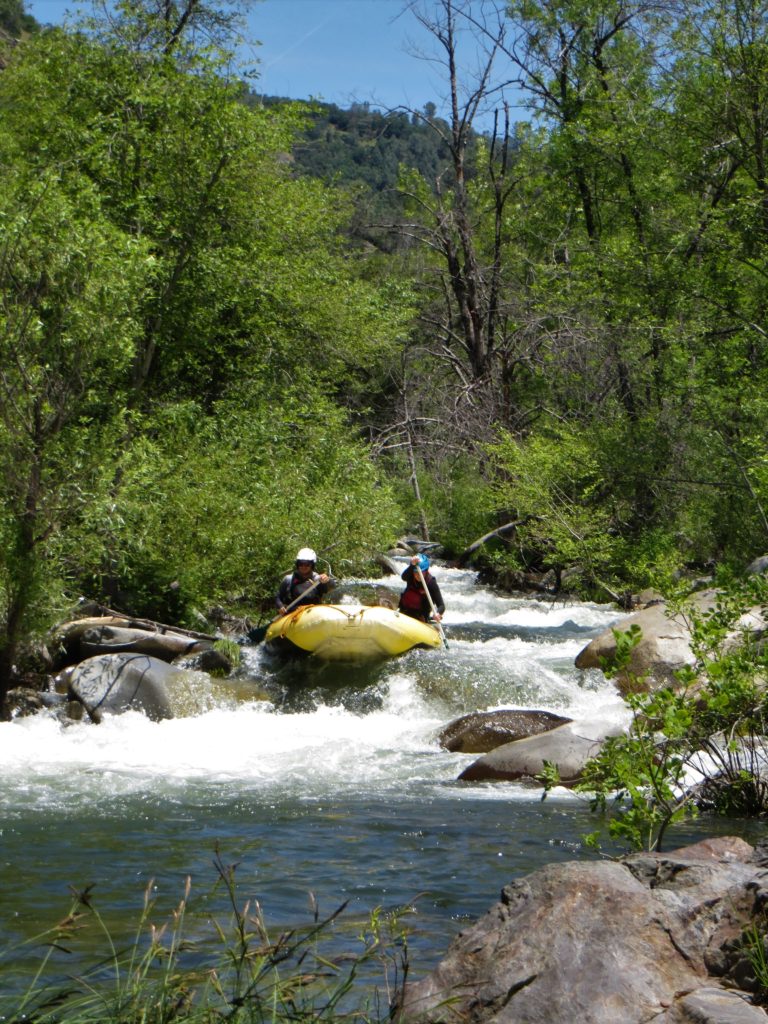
x=160, y=257
x=249, y=265
x=718, y=84
x=69, y=281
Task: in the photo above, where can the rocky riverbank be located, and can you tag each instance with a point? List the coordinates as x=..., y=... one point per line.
x=676, y=938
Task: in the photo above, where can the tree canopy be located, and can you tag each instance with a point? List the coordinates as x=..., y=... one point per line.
x=178, y=317
x=265, y=323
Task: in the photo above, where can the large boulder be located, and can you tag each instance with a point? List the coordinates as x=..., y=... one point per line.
x=568, y=746
x=389, y=565
x=664, y=647
x=481, y=731
x=654, y=937
x=759, y=566
x=115, y=683
x=665, y=643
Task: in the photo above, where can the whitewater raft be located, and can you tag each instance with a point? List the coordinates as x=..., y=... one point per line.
x=349, y=632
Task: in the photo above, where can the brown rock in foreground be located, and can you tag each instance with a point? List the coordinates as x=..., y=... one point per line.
x=651, y=938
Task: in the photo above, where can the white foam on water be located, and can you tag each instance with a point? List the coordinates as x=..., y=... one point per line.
x=251, y=746
x=260, y=749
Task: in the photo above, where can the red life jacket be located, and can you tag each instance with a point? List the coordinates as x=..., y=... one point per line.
x=414, y=598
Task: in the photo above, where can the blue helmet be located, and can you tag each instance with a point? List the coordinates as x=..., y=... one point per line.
x=423, y=563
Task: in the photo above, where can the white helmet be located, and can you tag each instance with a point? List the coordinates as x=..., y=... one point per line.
x=306, y=555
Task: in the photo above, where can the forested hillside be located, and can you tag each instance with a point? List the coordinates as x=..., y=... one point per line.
x=364, y=151
x=232, y=328
x=14, y=19
x=365, y=146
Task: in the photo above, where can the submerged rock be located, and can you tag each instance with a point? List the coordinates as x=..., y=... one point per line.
x=23, y=701
x=211, y=661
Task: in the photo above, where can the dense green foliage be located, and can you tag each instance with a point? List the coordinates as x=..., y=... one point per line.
x=178, y=315
x=229, y=539
x=596, y=288
x=268, y=324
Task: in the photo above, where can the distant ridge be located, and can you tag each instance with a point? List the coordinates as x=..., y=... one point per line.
x=15, y=23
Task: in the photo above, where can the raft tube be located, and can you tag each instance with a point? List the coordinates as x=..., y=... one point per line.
x=350, y=632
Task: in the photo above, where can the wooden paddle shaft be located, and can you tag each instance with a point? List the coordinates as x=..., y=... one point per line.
x=302, y=595
x=431, y=603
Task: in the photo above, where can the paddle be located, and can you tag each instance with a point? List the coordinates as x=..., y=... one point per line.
x=257, y=634
x=417, y=570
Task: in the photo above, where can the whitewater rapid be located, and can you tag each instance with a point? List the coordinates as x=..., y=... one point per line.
x=503, y=652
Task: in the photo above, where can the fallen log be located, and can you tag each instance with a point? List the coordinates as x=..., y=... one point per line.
x=500, y=531
x=82, y=638
x=132, y=622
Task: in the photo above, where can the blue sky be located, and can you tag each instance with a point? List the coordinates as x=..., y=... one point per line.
x=340, y=51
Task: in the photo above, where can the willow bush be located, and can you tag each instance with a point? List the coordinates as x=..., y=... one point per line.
x=552, y=482
x=456, y=502
x=214, y=508
x=576, y=492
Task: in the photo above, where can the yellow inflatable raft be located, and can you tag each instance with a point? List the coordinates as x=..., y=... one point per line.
x=350, y=632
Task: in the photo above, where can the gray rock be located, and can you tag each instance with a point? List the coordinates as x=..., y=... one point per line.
x=713, y=1006
x=665, y=646
x=601, y=943
x=389, y=565
x=481, y=731
x=647, y=597
x=23, y=701
x=209, y=660
x=115, y=683
x=568, y=746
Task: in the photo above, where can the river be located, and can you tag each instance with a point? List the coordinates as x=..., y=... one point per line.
x=314, y=779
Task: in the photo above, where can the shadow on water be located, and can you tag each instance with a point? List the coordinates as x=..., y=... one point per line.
x=301, y=684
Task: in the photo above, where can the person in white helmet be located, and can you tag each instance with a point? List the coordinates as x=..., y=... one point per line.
x=303, y=585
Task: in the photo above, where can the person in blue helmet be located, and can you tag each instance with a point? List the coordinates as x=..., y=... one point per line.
x=414, y=600
x=303, y=585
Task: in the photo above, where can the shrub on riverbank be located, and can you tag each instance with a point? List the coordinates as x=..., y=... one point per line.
x=701, y=744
